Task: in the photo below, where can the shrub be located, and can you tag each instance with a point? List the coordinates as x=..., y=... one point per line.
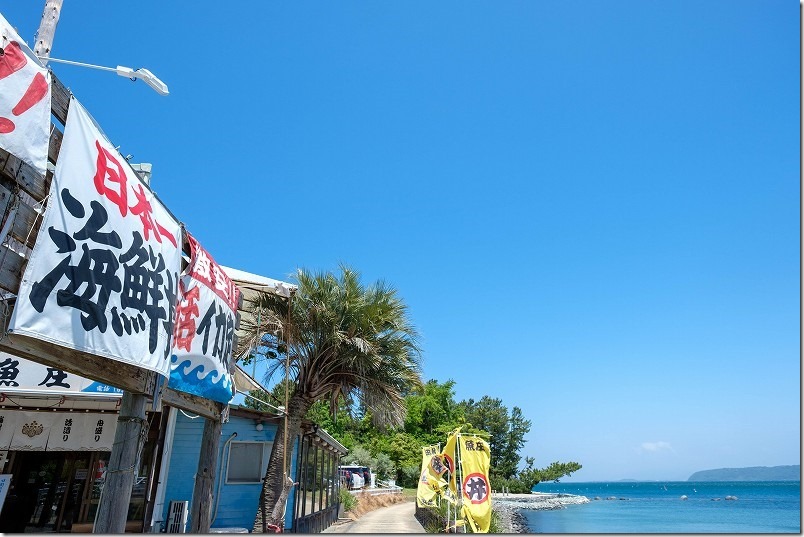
x=409, y=476
x=348, y=501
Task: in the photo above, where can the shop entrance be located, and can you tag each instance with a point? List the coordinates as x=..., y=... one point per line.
x=51, y=490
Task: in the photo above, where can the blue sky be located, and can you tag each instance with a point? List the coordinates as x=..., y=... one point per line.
x=592, y=208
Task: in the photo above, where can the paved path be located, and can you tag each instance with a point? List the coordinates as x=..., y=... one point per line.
x=397, y=518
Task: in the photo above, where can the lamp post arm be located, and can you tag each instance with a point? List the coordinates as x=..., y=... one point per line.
x=143, y=74
x=79, y=64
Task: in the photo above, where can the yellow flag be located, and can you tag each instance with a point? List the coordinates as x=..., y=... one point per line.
x=450, y=493
x=429, y=484
x=475, y=486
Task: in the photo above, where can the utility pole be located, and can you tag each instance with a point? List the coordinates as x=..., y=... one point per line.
x=201, y=511
x=47, y=29
x=123, y=462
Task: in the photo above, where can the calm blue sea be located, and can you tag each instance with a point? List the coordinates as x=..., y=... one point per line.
x=656, y=507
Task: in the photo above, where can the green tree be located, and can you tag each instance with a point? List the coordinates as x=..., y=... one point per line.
x=260, y=400
x=529, y=477
x=346, y=342
x=432, y=411
x=507, y=432
x=518, y=427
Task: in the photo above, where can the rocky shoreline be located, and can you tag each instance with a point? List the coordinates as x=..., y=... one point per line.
x=509, y=507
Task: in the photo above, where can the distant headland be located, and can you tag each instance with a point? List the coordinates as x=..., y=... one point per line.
x=753, y=473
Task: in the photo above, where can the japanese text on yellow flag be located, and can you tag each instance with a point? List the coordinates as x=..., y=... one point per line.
x=475, y=488
x=429, y=482
x=450, y=493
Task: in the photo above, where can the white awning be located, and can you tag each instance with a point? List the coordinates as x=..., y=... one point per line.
x=244, y=382
x=252, y=283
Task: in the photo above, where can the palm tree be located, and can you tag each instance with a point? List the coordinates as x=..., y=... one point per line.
x=341, y=341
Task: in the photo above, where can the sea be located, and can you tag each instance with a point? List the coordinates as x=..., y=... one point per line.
x=658, y=507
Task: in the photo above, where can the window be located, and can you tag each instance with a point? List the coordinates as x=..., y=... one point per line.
x=247, y=461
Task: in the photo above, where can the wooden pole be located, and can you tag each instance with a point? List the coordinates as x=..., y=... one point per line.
x=201, y=511
x=47, y=29
x=123, y=461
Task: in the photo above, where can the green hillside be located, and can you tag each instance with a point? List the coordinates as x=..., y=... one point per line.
x=753, y=473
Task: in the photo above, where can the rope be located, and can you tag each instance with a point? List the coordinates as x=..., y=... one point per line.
x=5, y=314
x=40, y=211
x=259, y=340
x=9, y=217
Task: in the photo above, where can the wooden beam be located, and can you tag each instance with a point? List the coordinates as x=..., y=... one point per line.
x=26, y=222
x=11, y=265
x=112, y=372
x=206, y=408
x=59, y=100
x=25, y=176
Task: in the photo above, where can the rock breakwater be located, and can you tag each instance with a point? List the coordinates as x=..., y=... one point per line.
x=508, y=507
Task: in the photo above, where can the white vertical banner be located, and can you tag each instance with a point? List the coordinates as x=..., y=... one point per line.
x=32, y=431
x=205, y=328
x=99, y=432
x=24, y=101
x=8, y=423
x=68, y=431
x=103, y=275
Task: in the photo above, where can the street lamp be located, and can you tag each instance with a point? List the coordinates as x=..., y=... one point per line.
x=143, y=74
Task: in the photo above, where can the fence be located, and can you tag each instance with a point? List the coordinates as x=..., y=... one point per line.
x=317, y=522
x=377, y=491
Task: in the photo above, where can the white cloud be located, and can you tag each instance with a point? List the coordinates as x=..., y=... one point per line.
x=654, y=447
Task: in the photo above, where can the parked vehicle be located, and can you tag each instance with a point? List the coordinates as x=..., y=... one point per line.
x=354, y=477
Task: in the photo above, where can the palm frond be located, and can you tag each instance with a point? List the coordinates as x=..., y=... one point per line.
x=346, y=341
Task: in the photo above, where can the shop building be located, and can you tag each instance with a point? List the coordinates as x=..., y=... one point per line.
x=56, y=435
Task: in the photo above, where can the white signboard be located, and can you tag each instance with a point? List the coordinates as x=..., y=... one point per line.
x=67, y=432
x=103, y=275
x=99, y=432
x=8, y=422
x=205, y=328
x=32, y=431
x=21, y=375
x=5, y=483
x=56, y=431
x=24, y=101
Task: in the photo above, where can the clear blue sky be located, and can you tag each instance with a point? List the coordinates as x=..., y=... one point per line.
x=592, y=208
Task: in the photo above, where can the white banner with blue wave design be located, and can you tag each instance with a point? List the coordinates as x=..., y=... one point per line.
x=205, y=328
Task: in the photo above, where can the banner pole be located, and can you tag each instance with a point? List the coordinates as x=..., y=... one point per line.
x=459, y=482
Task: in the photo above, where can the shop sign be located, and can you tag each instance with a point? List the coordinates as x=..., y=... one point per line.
x=5, y=483
x=21, y=375
x=56, y=431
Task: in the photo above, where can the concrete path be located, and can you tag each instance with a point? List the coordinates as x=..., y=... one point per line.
x=397, y=518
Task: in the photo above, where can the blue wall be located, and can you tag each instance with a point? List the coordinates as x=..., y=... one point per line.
x=237, y=505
